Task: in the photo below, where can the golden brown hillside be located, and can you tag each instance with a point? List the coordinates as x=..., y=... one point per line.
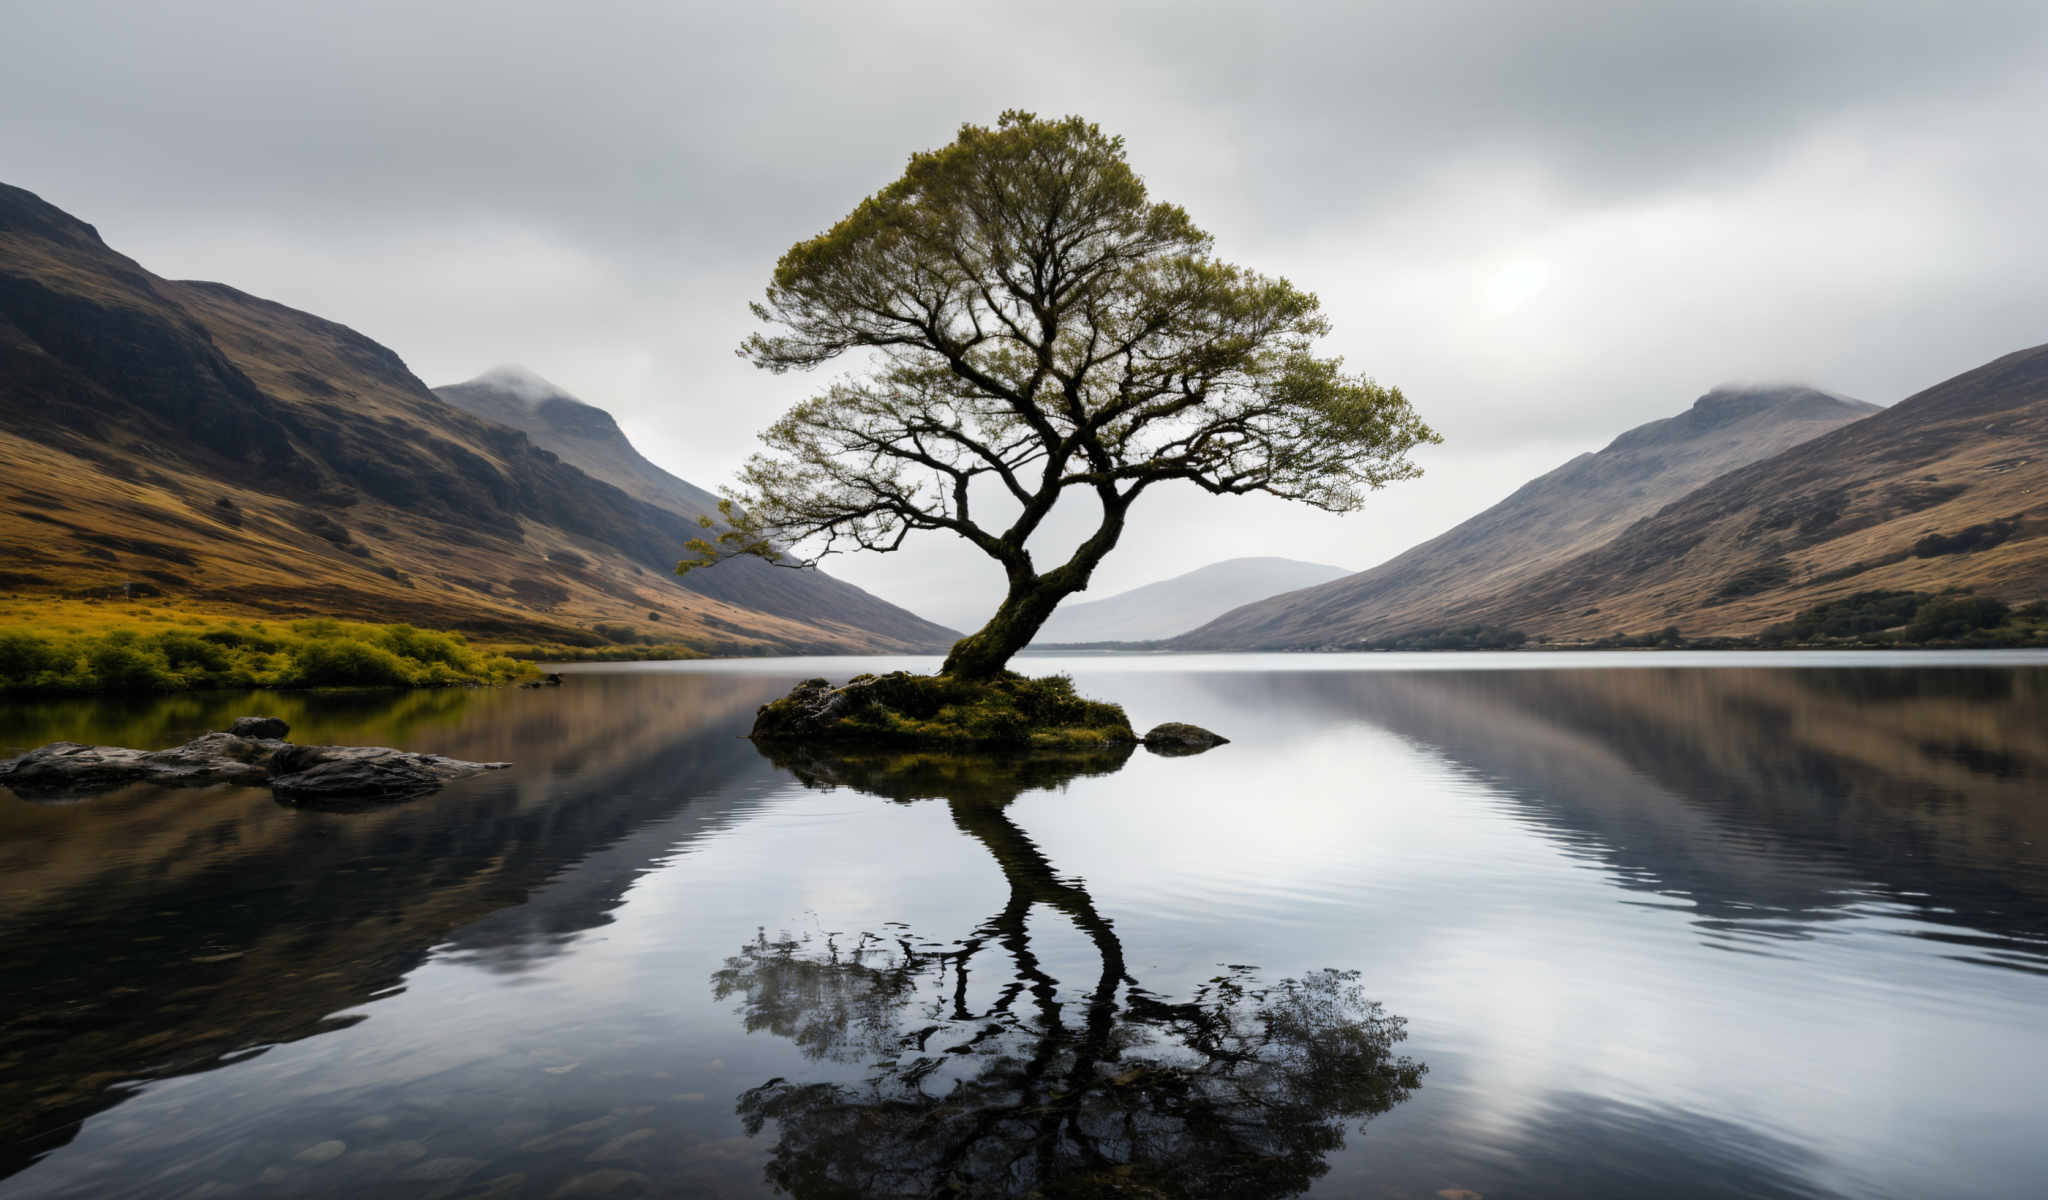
x=189, y=438
x=1948, y=488
x=1568, y=511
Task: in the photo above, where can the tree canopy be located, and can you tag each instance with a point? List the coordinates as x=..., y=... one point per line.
x=1037, y=324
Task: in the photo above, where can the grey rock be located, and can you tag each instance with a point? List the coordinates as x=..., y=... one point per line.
x=297, y=774
x=262, y=728
x=69, y=768
x=1178, y=737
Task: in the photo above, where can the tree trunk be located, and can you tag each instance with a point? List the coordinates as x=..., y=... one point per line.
x=986, y=653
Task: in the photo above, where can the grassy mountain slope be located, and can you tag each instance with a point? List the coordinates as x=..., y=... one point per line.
x=1568, y=511
x=1173, y=606
x=189, y=438
x=1948, y=488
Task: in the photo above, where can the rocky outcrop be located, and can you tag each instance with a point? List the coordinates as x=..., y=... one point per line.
x=905, y=709
x=251, y=753
x=1177, y=738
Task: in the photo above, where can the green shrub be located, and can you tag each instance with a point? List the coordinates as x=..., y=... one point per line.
x=122, y=666
x=23, y=656
x=1954, y=616
x=334, y=662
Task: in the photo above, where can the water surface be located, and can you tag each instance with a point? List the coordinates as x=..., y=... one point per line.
x=1444, y=925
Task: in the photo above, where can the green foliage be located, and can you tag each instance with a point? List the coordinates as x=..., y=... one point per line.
x=1896, y=618
x=1953, y=616
x=1466, y=637
x=1859, y=615
x=1043, y=324
x=308, y=654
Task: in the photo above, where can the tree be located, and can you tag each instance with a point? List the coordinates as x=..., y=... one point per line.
x=1037, y=325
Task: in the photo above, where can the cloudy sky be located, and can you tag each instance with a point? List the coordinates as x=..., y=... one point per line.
x=1546, y=221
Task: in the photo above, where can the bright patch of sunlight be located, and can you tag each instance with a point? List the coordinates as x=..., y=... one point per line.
x=1516, y=284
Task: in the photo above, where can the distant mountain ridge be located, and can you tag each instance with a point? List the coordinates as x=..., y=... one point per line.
x=1177, y=605
x=1547, y=521
x=197, y=440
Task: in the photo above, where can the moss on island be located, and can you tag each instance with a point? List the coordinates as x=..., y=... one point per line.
x=901, y=709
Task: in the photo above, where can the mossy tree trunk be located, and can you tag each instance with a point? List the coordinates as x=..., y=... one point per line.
x=986, y=653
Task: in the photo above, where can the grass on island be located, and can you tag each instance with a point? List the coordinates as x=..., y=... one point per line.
x=1012, y=712
x=53, y=646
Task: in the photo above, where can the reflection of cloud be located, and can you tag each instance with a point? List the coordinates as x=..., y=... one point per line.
x=1578, y=1144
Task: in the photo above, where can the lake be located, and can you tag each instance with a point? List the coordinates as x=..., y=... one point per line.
x=1448, y=926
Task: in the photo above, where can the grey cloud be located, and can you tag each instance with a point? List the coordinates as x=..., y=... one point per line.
x=1842, y=191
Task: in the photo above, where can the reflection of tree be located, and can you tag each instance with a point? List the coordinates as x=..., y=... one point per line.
x=1241, y=1090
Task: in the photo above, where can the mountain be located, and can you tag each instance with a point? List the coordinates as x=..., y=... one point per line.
x=584, y=435
x=587, y=438
x=1573, y=509
x=1172, y=606
x=192, y=439
x=1948, y=488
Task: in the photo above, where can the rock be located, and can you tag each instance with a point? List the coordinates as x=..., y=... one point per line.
x=1177, y=737
x=68, y=768
x=321, y=1152
x=309, y=776
x=298, y=774
x=904, y=709
x=810, y=706
x=549, y=680
x=261, y=728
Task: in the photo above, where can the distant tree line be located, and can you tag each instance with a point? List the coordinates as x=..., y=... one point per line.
x=1866, y=619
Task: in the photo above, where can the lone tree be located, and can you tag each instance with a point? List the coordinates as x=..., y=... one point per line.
x=1038, y=325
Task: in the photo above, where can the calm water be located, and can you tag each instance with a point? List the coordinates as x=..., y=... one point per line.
x=1449, y=926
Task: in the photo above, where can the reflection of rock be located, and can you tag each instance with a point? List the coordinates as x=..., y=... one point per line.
x=309, y=776
x=982, y=777
x=296, y=773
x=1178, y=738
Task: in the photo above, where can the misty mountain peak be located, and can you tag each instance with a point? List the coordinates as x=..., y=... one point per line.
x=523, y=382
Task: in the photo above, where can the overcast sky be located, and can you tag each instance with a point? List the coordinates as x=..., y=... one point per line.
x=1547, y=222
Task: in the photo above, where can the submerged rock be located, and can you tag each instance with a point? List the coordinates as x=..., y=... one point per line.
x=296, y=773
x=1178, y=737
x=271, y=728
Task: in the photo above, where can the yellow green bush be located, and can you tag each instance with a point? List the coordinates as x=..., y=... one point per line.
x=236, y=654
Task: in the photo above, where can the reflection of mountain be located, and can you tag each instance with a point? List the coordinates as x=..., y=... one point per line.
x=220, y=921
x=1769, y=799
x=1043, y=1090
